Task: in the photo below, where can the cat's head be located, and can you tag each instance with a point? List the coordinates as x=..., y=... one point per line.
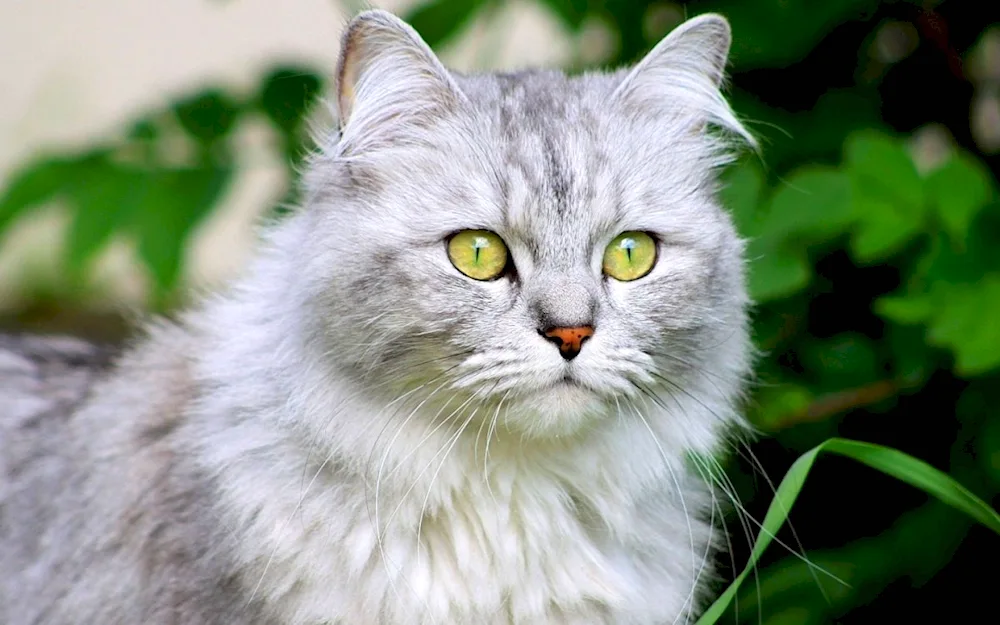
x=551, y=247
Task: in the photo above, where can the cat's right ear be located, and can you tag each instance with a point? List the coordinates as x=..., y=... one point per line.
x=388, y=79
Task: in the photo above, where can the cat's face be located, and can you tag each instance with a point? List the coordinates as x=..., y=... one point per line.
x=470, y=224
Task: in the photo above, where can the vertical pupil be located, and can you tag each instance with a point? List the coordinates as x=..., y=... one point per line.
x=478, y=244
x=628, y=245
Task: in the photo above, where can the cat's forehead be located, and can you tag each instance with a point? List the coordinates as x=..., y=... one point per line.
x=546, y=134
x=540, y=101
x=536, y=95
x=567, y=163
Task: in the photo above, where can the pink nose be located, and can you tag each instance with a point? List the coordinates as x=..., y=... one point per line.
x=569, y=340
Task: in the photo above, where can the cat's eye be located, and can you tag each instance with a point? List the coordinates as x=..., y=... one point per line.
x=479, y=254
x=630, y=256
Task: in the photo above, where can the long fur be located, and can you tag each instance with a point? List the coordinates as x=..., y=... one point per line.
x=356, y=433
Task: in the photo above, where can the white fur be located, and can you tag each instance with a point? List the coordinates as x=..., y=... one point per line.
x=487, y=492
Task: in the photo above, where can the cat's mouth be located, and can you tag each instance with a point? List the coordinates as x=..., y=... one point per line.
x=571, y=383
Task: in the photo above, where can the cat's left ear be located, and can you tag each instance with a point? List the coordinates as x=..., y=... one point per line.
x=682, y=76
x=388, y=80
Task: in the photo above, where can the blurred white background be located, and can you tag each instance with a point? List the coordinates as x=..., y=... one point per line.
x=78, y=71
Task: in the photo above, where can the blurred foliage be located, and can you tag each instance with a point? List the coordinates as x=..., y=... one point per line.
x=873, y=222
x=166, y=175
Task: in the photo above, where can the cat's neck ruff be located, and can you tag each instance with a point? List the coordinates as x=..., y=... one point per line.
x=521, y=530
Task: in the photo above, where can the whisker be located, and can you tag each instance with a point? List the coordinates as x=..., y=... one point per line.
x=443, y=422
x=795, y=536
x=423, y=507
x=486, y=453
x=680, y=494
x=800, y=553
x=378, y=531
x=378, y=475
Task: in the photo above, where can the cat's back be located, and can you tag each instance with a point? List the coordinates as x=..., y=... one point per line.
x=102, y=516
x=46, y=375
x=43, y=380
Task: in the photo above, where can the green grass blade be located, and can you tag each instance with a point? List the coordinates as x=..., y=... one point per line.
x=887, y=460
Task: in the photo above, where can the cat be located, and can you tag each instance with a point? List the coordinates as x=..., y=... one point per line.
x=462, y=383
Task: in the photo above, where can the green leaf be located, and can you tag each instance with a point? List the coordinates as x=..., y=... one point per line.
x=961, y=262
x=882, y=229
x=173, y=202
x=776, y=272
x=286, y=94
x=966, y=321
x=888, y=195
x=104, y=196
x=889, y=461
x=862, y=568
x=37, y=183
x=845, y=360
x=439, y=20
x=882, y=168
x=742, y=185
x=905, y=309
x=810, y=136
x=958, y=190
x=959, y=316
x=778, y=33
x=913, y=361
x=776, y=403
x=814, y=200
x=572, y=12
x=207, y=116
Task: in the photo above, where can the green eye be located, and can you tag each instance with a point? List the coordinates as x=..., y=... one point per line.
x=479, y=254
x=630, y=256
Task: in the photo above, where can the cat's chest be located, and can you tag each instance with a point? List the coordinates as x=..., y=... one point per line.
x=516, y=544
x=507, y=550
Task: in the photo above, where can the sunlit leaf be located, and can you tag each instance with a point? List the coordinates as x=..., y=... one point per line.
x=958, y=316
x=888, y=195
x=965, y=320
x=959, y=189
x=906, y=309
x=174, y=202
x=882, y=228
x=34, y=184
x=104, y=196
x=884, y=169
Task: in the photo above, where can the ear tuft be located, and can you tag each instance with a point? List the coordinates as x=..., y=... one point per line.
x=388, y=76
x=683, y=74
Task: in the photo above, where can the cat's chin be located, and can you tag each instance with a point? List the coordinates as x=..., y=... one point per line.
x=564, y=408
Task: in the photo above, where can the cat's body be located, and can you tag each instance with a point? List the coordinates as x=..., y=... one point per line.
x=357, y=433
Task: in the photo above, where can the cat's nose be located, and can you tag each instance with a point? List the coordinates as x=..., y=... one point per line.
x=569, y=339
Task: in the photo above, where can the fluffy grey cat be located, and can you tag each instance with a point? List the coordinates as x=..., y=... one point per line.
x=459, y=385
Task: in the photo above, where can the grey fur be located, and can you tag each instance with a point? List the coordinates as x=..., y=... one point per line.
x=240, y=466
x=103, y=518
